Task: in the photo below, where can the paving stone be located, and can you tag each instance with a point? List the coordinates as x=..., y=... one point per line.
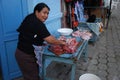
x=94, y=62
x=110, y=51
x=92, y=67
x=102, y=66
x=117, y=52
x=81, y=67
x=102, y=73
x=112, y=65
x=112, y=77
x=111, y=59
x=95, y=56
x=92, y=71
x=103, y=78
x=102, y=56
x=111, y=54
x=102, y=60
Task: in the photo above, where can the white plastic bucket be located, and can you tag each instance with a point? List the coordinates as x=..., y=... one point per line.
x=89, y=76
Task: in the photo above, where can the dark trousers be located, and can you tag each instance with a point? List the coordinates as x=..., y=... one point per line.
x=28, y=66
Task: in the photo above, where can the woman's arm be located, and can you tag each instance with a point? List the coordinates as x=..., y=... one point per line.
x=52, y=40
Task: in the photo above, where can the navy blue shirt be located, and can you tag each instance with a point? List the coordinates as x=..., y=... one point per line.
x=31, y=31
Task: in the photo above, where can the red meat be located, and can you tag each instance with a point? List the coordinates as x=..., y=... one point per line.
x=71, y=46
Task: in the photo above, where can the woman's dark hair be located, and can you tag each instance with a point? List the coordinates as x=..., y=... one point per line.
x=40, y=6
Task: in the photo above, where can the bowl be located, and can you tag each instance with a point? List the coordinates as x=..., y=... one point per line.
x=65, y=31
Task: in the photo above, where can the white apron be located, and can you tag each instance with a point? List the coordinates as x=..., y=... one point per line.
x=38, y=50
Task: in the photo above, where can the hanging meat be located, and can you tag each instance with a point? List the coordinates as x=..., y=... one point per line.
x=74, y=20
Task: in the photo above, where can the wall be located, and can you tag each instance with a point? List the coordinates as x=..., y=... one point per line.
x=11, y=17
x=54, y=20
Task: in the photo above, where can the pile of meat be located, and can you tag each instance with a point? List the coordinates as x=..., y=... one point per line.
x=71, y=46
x=83, y=34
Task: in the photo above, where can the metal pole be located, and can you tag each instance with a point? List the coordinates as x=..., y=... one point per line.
x=110, y=4
x=109, y=14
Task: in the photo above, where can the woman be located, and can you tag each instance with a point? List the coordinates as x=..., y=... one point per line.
x=33, y=31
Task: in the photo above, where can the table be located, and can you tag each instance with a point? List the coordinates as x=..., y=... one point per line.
x=93, y=28
x=66, y=58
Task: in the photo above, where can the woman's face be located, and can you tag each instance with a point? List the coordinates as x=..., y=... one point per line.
x=43, y=14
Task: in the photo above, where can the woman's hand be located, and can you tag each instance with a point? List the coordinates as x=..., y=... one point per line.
x=53, y=40
x=62, y=42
